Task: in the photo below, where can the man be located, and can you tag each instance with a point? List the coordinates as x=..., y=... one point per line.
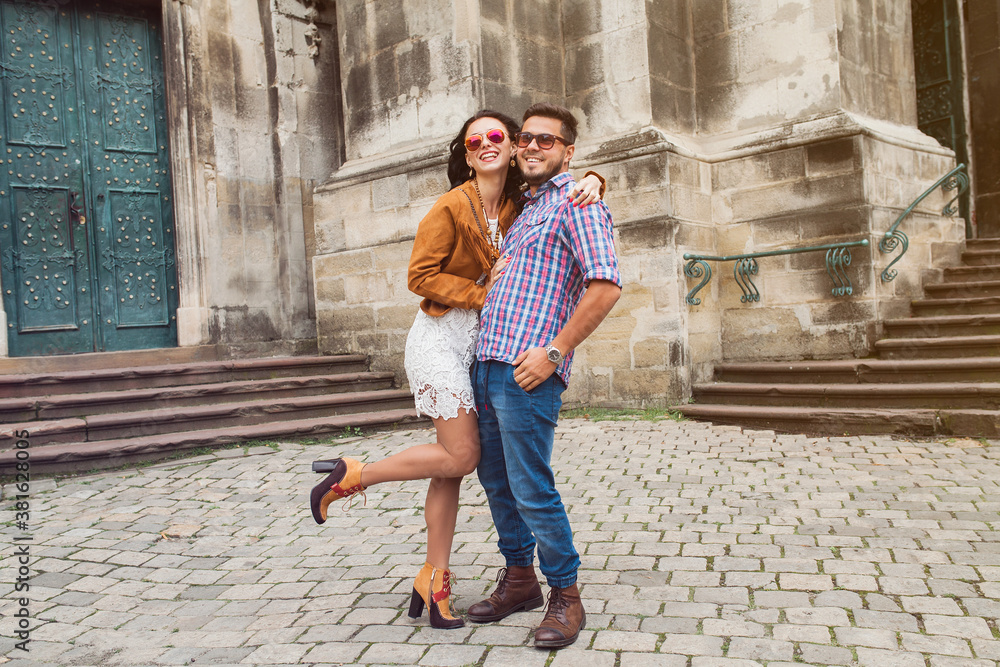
x=560, y=283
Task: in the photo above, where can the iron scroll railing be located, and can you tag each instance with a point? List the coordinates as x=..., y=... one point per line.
x=956, y=179
x=838, y=256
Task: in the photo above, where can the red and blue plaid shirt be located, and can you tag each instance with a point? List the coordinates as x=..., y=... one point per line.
x=555, y=250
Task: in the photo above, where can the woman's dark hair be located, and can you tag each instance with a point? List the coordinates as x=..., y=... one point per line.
x=458, y=170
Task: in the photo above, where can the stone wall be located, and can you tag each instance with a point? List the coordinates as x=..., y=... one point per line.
x=895, y=177
x=360, y=268
x=799, y=196
x=827, y=191
x=759, y=64
x=252, y=134
x=876, y=66
x=409, y=70
x=722, y=126
x=522, y=59
x=671, y=64
x=607, y=77
x=661, y=202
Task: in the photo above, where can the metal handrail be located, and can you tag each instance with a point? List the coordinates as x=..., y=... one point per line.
x=838, y=256
x=956, y=179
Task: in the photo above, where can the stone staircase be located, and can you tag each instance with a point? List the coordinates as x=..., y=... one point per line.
x=98, y=411
x=937, y=373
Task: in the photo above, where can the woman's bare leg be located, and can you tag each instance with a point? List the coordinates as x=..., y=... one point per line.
x=445, y=463
x=454, y=455
x=441, y=515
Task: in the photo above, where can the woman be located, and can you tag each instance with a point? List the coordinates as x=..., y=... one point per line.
x=454, y=262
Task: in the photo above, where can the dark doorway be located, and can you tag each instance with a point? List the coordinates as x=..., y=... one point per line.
x=937, y=53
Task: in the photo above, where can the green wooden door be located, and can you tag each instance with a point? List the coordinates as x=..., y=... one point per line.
x=86, y=220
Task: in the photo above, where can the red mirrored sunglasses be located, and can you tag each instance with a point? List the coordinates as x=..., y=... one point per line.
x=475, y=141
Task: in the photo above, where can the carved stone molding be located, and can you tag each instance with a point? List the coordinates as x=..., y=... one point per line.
x=313, y=38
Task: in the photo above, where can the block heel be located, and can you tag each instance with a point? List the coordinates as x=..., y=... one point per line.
x=416, y=605
x=325, y=466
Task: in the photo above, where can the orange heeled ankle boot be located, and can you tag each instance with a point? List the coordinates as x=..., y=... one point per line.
x=343, y=482
x=432, y=587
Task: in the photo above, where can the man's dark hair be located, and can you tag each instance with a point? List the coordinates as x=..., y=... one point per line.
x=546, y=110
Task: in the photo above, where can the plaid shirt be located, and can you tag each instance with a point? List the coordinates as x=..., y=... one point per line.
x=555, y=250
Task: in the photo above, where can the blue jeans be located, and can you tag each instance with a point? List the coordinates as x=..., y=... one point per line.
x=516, y=432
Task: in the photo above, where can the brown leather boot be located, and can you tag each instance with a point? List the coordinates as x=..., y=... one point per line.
x=563, y=620
x=517, y=590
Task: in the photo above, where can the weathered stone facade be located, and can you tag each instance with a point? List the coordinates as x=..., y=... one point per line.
x=255, y=126
x=722, y=126
x=308, y=138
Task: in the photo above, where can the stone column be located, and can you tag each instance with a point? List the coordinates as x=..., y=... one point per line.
x=255, y=123
x=411, y=73
x=722, y=126
x=809, y=109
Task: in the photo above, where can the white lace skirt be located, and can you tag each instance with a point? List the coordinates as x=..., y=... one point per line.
x=439, y=352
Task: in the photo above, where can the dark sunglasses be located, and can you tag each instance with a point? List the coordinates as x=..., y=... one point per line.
x=544, y=141
x=475, y=141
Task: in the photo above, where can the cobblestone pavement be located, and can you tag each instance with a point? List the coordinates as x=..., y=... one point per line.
x=702, y=546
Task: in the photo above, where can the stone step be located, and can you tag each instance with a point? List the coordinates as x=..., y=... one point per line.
x=937, y=348
x=943, y=325
x=77, y=456
x=59, y=406
x=980, y=305
x=922, y=395
x=169, y=375
x=980, y=257
x=938, y=373
x=983, y=244
x=963, y=290
x=972, y=274
x=852, y=421
x=129, y=425
x=862, y=371
x=92, y=361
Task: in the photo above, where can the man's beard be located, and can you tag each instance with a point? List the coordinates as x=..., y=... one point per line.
x=538, y=178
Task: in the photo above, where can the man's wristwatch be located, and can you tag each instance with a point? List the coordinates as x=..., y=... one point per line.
x=553, y=353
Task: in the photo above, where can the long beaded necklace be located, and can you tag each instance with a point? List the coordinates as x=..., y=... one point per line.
x=493, y=243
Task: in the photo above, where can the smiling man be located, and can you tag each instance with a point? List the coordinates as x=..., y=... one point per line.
x=560, y=283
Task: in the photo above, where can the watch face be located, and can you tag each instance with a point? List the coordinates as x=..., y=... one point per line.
x=554, y=355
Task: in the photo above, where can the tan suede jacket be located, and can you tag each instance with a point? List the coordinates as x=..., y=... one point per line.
x=450, y=254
